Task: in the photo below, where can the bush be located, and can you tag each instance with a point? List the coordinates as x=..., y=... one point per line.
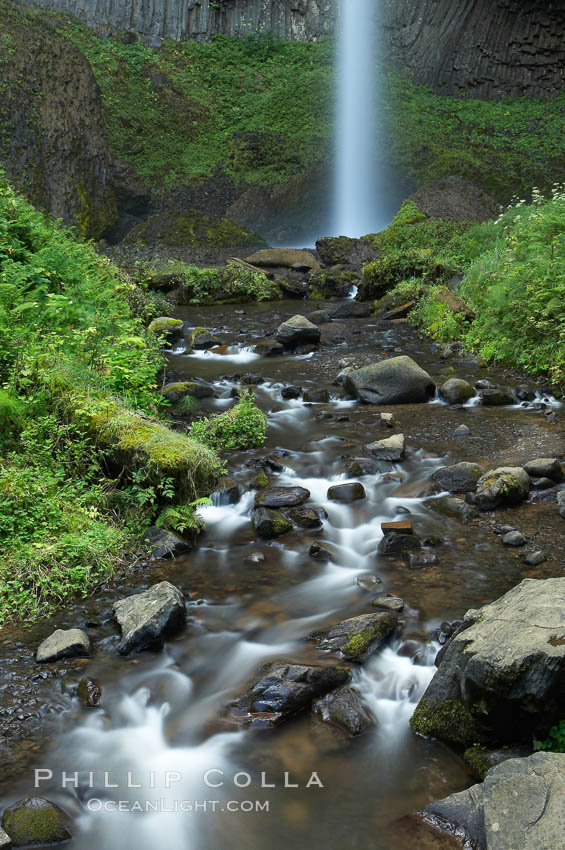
x=555, y=741
x=242, y=427
x=231, y=283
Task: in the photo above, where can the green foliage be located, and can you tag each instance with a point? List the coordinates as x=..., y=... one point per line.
x=555, y=741
x=213, y=285
x=437, y=320
x=242, y=427
x=408, y=213
x=183, y=518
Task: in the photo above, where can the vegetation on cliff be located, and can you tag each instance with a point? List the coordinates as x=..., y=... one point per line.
x=87, y=459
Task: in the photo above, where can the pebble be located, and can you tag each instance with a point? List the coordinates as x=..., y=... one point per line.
x=462, y=431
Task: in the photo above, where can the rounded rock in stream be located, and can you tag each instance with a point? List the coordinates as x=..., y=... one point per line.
x=497, y=396
x=392, y=448
x=305, y=517
x=456, y=391
x=285, y=689
x=35, y=821
x=392, y=603
x=344, y=708
x=507, y=485
x=545, y=467
x=165, y=544
x=347, y=493
x=69, y=643
x=270, y=524
x=398, y=380
x=147, y=618
x=281, y=497
x=297, y=331
x=357, y=638
x=459, y=478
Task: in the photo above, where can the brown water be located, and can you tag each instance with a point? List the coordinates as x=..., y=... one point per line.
x=167, y=712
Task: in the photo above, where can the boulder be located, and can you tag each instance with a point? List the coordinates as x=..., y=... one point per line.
x=290, y=392
x=319, y=552
x=201, y=338
x=305, y=517
x=545, y=467
x=69, y=643
x=347, y=492
x=35, y=821
x=398, y=380
x=497, y=396
x=397, y=542
x=147, y=618
x=451, y=506
x=459, y=478
x=297, y=331
x=319, y=317
x=316, y=396
x=268, y=348
x=456, y=391
x=358, y=637
x=352, y=310
x=344, y=708
x=175, y=390
x=455, y=199
x=167, y=327
x=281, y=497
x=501, y=678
x=343, y=250
x=227, y=492
x=270, y=524
x=165, y=544
x=520, y=804
x=535, y=558
x=507, y=485
x=392, y=448
x=285, y=689
x=284, y=258
x=514, y=538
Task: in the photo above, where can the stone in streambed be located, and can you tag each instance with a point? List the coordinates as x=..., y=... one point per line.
x=514, y=538
x=507, y=485
x=201, y=338
x=290, y=392
x=281, y=497
x=89, y=692
x=285, y=689
x=316, y=396
x=268, y=348
x=561, y=504
x=227, y=492
x=305, y=517
x=456, y=391
x=270, y=524
x=462, y=431
x=167, y=327
x=353, y=310
x=319, y=317
x=359, y=637
x=147, y=618
x=343, y=708
x=398, y=380
x=369, y=583
x=422, y=560
x=391, y=448
x=347, y=492
x=69, y=643
x=5, y=840
x=391, y=603
x=397, y=542
x=319, y=552
x=297, y=331
x=165, y=544
x=545, y=467
x=535, y=558
x=459, y=478
x=452, y=506
x=36, y=821
x=497, y=396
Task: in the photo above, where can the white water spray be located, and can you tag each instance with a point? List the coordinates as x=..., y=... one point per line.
x=359, y=206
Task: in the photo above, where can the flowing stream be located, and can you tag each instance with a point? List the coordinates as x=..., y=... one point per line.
x=163, y=718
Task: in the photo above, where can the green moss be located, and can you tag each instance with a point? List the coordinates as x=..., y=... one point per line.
x=448, y=720
x=242, y=427
x=182, y=387
x=478, y=758
x=165, y=325
x=281, y=523
x=409, y=213
x=230, y=284
x=27, y=825
x=192, y=229
x=360, y=642
x=261, y=480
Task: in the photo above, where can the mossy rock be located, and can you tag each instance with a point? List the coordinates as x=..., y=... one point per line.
x=448, y=720
x=191, y=229
x=329, y=283
x=203, y=338
x=35, y=821
x=166, y=326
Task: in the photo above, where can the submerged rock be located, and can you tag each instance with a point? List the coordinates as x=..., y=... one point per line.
x=456, y=391
x=459, y=478
x=285, y=689
x=520, y=804
x=392, y=448
x=281, y=497
x=297, y=331
x=270, y=524
x=501, y=678
x=36, y=821
x=343, y=708
x=89, y=692
x=165, y=544
x=69, y=643
x=398, y=380
x=268, y=348
x=452, y=506
x=316, y=396
x=507, y=485
x=147, y=618
x=357, y=637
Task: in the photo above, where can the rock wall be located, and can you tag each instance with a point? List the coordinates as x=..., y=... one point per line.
x=52, y=143
x=486, y=48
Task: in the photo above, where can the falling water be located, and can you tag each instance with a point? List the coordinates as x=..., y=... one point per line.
x=358, y=201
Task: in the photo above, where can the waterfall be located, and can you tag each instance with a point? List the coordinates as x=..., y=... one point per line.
x=359, y=205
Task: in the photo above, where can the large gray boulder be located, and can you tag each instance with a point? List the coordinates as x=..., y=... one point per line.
x=357, y=637
x=521, y=804
x=147, y=618
x=545, y=467
x=297, y=330
x=456, y=391
x=63, y=643
x=501, y=678
x=398, y=380
x=459, y=478
x=507, y=485
x=35, y=821
x=285, y=689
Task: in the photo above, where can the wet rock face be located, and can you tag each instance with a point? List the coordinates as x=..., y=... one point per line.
x=281, y=497
x=343, y=708
x=270, y=524
x=286, y=689
x=165, y=544
x=521, y=803
x=35, y=821
x=398, y=380
x=52, y=139
x=501, y=678
x=357, y=637
x=147, y=618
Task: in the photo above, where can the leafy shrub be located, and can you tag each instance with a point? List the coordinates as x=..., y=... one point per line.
x=242, y=427
x=555, y=741
x=232, y=283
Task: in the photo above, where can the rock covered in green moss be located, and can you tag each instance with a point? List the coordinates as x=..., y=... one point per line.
x=357, y=637
x=35, y=821
x=202, y=338
x=292, y=258
x=270, y=523
x=166, y=326
x=185, y=229
x=500, y=678
x=331, y=283
x=507, y=485
x=481, y=759
x=345, y=251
